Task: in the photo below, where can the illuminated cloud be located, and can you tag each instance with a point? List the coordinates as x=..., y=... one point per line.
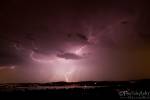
x=10, y=67
x=71, y=56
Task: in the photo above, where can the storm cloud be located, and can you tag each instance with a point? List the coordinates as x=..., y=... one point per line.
x=69, y=56
x=108, y=40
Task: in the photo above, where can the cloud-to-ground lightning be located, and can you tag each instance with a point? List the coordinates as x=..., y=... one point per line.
x=61, y=66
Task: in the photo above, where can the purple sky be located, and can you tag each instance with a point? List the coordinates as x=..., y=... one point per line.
x=44, y=41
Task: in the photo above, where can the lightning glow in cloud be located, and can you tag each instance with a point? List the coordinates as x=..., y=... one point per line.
x=62, y=68
x=39, y=59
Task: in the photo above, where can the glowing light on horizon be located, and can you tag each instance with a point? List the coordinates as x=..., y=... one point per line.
x=7, y=67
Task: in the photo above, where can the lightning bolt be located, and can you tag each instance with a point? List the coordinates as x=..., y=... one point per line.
x=68, y=75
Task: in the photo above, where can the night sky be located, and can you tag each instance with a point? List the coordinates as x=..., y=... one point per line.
x=103, y=40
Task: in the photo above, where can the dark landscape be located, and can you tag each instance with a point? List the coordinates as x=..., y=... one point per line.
x=114, y=90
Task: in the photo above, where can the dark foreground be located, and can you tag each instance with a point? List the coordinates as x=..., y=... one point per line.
x=115, y=90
